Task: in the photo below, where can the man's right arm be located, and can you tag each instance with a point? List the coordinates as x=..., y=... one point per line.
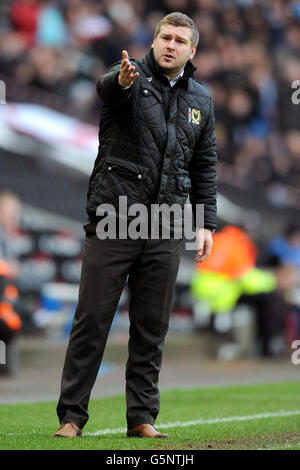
x=115, y=87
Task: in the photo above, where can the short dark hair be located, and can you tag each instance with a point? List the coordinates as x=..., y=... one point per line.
x=292, y=229
x=179, y=19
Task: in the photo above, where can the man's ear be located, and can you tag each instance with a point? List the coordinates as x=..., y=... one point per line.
x=193, y=52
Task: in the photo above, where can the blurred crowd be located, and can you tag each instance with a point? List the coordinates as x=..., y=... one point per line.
x=248, y=55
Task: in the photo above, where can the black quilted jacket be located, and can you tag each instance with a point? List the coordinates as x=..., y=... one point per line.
x=156, y=143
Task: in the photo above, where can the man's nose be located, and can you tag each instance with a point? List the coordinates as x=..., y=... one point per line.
x=171, y=44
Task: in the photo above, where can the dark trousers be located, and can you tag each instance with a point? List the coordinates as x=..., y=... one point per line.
x=270, y=309
x=152, y=267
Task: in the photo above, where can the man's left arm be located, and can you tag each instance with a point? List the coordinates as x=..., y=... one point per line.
x=204, y=185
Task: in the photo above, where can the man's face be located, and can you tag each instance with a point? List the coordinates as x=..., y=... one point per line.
x=172, y=48
x=10, y=210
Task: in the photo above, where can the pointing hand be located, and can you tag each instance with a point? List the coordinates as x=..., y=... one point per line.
x=126, y=75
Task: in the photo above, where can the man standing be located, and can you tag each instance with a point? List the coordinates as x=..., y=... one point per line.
x=156, y=146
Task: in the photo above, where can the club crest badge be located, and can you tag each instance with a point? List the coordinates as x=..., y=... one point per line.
x=194, y=116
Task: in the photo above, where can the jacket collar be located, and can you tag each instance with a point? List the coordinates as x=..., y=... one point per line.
x=155, y=68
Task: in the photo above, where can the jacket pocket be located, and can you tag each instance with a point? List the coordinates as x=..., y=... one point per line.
x=126, y=170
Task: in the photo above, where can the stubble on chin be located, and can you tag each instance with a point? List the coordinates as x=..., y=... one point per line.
x=168, y=70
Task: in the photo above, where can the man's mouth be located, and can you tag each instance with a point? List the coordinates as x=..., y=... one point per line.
x=168, y=56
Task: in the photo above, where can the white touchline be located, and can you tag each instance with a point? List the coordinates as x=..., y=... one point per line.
x=228, y=419
x=284, y=446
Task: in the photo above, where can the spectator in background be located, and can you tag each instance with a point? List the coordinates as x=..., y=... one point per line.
x=51, y=28
x=282, y=255
x=10, y=211
x=25, y=17
x=285, y=249
x=10, y=322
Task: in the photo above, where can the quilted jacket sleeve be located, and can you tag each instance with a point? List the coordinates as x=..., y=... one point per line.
x=109, y=90
x=203, y=173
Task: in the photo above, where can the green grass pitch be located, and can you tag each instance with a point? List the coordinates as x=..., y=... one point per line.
x=263, y=416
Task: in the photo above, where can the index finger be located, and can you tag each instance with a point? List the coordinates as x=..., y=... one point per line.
x=124, y=55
